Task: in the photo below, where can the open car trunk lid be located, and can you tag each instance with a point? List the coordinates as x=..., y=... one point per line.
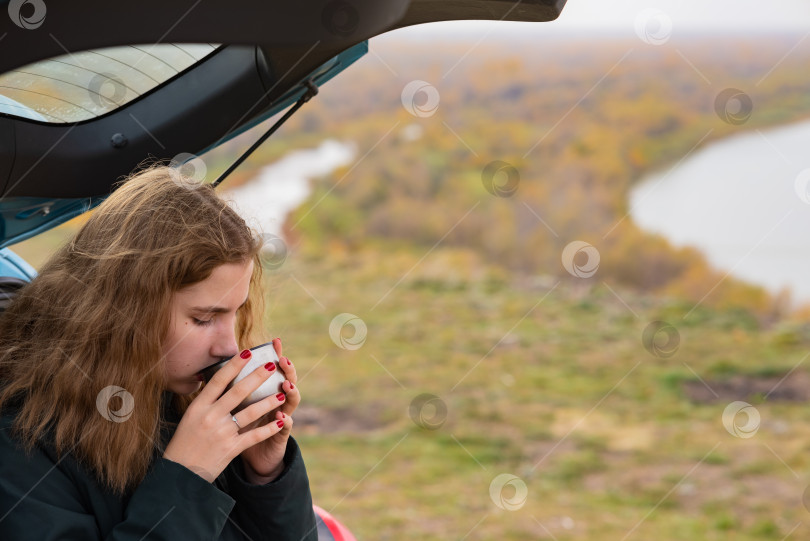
x=62, y=149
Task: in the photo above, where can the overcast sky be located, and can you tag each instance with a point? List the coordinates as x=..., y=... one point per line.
x=623, y=16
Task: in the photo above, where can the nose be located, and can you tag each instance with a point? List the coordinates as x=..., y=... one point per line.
x=225, y=345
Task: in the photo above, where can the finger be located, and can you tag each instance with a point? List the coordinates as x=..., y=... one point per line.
x=237, y=394
x=261, y=412
x=212, y=390
x=288, y=368
x=266, y=431
x=293, y=397
x=277, y=346
x=287, y=420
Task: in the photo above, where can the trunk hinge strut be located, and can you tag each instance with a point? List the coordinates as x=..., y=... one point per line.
x=312, y=90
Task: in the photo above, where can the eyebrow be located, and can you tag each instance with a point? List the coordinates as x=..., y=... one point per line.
x=213, y=309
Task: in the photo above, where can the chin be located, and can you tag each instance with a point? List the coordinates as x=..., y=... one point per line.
x=184, y=387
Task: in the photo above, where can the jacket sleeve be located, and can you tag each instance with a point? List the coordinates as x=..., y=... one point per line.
x=280, y=510
x=174, y=503
x=39, y=500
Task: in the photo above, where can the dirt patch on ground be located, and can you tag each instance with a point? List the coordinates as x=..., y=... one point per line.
x=697, y=488
x=790, y=387
x=316, y=420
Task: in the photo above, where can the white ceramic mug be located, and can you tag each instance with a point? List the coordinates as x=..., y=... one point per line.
x=260, y=355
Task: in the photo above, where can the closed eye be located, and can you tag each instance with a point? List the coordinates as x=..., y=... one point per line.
x=201, y=322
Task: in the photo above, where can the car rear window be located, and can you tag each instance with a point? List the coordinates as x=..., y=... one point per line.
x=88, y=84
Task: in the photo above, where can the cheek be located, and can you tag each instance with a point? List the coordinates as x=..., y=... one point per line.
x=185, y=343
x=177, y=331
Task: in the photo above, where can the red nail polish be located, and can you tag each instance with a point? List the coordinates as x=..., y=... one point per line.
x=280, y=424
x=288, y=361
x=245, y=354
x=270, y=366
x=280, y=396
x=292, y=386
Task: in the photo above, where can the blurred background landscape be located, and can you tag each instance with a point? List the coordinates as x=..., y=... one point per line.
x=599, y=379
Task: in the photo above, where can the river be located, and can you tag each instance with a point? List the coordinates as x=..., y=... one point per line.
x=744, y=202
x=282, y=186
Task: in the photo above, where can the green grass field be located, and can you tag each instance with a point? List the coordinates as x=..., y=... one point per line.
x=552, y=386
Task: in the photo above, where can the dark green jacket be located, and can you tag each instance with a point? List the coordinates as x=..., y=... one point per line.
x=44, y=499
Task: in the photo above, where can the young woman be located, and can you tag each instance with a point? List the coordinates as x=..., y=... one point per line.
x=105, y=432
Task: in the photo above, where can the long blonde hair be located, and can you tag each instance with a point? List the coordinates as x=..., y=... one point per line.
x=93, y=322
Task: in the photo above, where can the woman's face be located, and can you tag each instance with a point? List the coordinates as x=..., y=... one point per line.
x=203, y=325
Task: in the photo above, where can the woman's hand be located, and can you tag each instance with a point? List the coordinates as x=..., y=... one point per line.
x=207, y=439
x=264, y=461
